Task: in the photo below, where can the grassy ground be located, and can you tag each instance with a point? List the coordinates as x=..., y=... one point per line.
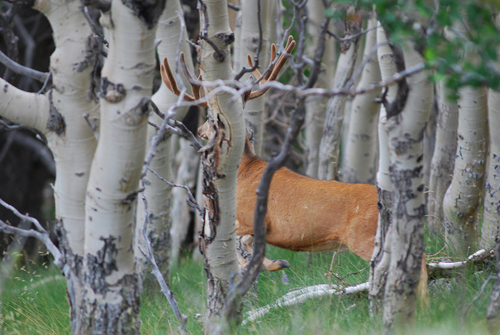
x=34, y=302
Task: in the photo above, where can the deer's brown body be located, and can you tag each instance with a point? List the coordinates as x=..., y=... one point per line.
x=305, y=214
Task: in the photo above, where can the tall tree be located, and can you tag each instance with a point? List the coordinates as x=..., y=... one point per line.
x=225, y=129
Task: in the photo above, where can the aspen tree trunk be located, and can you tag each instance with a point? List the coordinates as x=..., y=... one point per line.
x=405, y=135
x=111, y=301
x=316, y=106
x=58, y=114
x=462, y=197
x=332, y=130
x=157, y=192
x=220, y=159
x=443, y=160
x=379, y=264
x=359, y=163
x=255, y=109
x=491, y=218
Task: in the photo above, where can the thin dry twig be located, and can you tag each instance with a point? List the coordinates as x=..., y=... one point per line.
x=181, y=318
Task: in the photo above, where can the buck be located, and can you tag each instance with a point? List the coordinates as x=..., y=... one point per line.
x=303, y=214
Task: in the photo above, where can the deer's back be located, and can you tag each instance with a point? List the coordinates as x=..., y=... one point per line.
x=305, y=214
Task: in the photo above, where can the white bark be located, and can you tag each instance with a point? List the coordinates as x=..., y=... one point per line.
x=111, y=301
x=491, y=218
x=59, y=115
x=220, y=166
x=405, y=135
x=332, y=130
x=443, y=160
x=359, y=163
x=462, y=197
x=316, y=106
x=157, y=192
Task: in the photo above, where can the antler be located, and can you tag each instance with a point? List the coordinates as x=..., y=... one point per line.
x=270, y=75
x=273, y=72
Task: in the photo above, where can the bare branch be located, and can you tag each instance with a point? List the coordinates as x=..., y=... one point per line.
x=22, y=70
x=301, y=295
x=40, y=233
x=191, y=200
x=181, y=318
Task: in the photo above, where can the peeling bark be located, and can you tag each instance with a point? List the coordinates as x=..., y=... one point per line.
x=220, y=159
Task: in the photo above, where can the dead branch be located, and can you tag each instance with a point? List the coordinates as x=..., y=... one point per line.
x=40, y=233
x=301, y=295
x=445, y=269
x=181, y=318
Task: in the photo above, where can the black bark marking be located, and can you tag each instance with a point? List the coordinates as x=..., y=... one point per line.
x=147, y=11
x=101, y=265
x=112, y=92
x=225, y=38
x=56, y=121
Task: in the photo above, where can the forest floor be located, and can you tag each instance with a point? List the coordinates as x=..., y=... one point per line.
x=34, y=300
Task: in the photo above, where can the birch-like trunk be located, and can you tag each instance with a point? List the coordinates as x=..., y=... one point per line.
x=111, y=301
x=359, y=154
x=255, y=109
x=157, y=192
x=379, y=264
x=220, y=159
x=443, y=160
x=405, y=138
x=491, y=217
x=58, y=114
x=316, y=106
x=462, y=197
x=332, y=130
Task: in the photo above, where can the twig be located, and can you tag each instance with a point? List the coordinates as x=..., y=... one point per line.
x=40, y=233
x=191, y=200
x=92, y=126
x=350, y=37
x=22, y=70
x=181, y=318
x=233, y=7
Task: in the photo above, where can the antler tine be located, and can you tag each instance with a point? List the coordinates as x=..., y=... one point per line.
x=282, y=60
x=273, y=57
x=275, y=70
x=195, y=87
x=169, y=80
x=255, y=72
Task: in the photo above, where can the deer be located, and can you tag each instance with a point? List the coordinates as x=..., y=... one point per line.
x=303, y=214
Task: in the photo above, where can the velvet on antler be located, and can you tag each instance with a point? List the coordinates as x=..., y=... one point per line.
x=270, y=75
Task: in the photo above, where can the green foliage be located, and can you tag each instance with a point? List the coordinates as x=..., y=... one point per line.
x=467, y=58
x=35, y=302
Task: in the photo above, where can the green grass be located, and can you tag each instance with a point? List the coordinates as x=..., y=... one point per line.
x=29, y=307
